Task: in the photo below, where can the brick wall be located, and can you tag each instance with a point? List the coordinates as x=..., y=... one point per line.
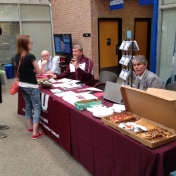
x=81, y=16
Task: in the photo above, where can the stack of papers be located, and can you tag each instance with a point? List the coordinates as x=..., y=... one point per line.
x=67, y=84
x=55, y=91
x=67, y=81
x=91, y=89
x=72, y=97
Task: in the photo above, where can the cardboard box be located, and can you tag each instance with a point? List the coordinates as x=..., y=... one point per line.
x=158, y=106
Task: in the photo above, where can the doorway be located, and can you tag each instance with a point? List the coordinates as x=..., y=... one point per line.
x=142, y=34
x=110, y=36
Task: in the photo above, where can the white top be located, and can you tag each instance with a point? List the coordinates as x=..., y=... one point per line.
x=52, y=64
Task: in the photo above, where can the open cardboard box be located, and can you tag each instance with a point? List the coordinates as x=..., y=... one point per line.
x=155, y=105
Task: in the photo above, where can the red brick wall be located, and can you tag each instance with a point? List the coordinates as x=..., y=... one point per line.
x=81, y=16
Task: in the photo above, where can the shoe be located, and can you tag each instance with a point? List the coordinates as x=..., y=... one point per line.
x=2, y=135
x=30, y=130
x=38, y=135
x=4, y=127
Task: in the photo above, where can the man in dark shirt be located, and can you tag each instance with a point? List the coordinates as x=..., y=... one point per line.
x=80, y=68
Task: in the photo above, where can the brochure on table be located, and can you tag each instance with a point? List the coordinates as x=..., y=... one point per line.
x=70, y=96
x=82, y=94
x=66, y=84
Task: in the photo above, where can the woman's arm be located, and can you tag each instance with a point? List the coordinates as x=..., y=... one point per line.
x=38, y=70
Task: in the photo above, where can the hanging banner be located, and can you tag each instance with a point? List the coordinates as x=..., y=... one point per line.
x=116, y=4
x=145, y=2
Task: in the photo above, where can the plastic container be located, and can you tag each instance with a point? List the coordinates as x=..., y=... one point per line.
x=84, y=104
x=9, y=71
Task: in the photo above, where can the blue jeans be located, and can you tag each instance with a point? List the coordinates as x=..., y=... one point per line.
x=32, y=103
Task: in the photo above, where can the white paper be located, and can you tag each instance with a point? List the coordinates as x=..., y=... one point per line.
x=92, y=89
x=70, y=86
x=56, y=91
x=69, y=94
x=117, y=108
x=72, y=100
x=66, y=80
x=74, y=97
x=52, y=80
x=57, y=85
x=87, y=96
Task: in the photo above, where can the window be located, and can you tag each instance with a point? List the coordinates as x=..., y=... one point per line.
x=167, y=2
x=33, y=20
x=167, y=43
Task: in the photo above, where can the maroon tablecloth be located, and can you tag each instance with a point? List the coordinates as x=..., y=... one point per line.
x=101, y=149
x=106, y=152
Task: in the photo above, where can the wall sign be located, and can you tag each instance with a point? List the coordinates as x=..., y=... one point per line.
x=116, y=4
x=128, y=34
x=86, y=35
x=145, y=2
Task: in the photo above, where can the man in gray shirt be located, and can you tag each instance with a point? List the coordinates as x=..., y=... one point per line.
x=144, y=78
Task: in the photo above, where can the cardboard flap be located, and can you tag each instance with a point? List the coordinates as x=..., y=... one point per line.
x=152, y=105
x=168, y=94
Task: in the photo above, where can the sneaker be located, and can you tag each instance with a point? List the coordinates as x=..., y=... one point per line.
x=2, y=135
x=30, y=130
x=38, y=135
x=4, y=127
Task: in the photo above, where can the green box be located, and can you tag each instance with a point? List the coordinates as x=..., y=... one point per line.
x=84, y=104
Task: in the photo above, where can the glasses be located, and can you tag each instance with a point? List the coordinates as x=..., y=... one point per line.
x=44, y=55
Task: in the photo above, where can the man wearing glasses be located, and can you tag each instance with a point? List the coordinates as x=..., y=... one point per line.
x=51, y=63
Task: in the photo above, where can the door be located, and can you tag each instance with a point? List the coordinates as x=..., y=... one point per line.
x=108, y=44
x=143, y=36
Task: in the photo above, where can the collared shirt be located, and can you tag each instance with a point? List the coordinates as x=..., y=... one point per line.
x=51, y=65
x=140, y=77
x=148, y=80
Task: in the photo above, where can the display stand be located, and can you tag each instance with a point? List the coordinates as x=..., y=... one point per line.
x=128, y=47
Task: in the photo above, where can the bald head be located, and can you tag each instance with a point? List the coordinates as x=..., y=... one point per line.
x=45, y=55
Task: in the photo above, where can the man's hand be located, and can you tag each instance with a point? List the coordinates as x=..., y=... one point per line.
x=52, y=76
x=44, y=62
